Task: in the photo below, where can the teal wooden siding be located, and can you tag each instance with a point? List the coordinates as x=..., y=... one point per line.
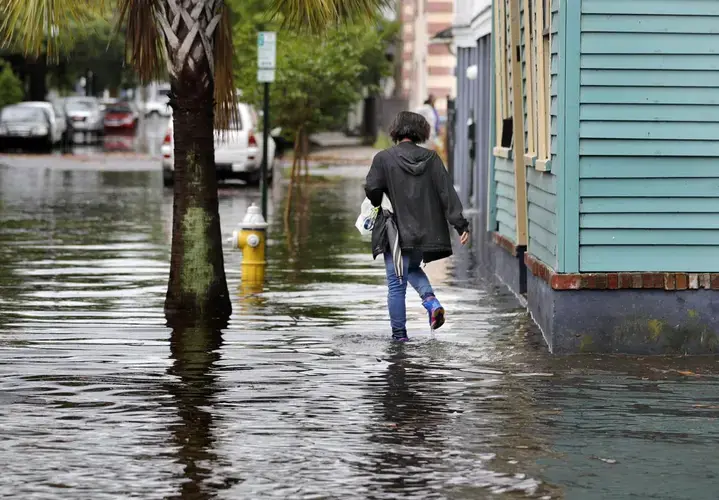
x=503, y=170
x=649, y=136
x=542, y=215
x=505, y=205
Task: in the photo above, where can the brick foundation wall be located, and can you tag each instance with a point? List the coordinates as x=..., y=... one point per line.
x=505, y=243
x=620, y=281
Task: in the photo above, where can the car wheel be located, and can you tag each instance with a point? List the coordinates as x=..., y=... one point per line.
x=253, y=179
x=168, y=178
x=45, y=144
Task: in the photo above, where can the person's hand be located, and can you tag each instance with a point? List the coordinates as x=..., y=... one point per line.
x=464, y=239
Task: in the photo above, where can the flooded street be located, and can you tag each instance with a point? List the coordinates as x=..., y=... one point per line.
x=303, y=396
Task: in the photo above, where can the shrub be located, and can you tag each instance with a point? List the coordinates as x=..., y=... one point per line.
x=11, y=89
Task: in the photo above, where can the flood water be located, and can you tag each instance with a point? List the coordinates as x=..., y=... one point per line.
x=303, y=396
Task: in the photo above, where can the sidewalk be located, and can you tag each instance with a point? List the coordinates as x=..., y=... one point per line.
x=345, y=161
x=338, y=155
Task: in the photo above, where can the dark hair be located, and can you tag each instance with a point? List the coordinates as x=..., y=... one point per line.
x=408, y=125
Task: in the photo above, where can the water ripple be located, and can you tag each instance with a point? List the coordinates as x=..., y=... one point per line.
x=303, y=396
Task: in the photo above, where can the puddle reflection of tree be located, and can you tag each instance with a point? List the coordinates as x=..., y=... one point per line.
x=195, y=351
x=297, y=215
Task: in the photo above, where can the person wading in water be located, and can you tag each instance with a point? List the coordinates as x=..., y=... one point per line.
x=423, y=200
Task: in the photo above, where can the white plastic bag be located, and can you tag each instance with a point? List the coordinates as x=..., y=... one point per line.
x=368, y=214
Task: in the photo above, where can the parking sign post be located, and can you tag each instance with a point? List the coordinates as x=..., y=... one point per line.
x=266, y=57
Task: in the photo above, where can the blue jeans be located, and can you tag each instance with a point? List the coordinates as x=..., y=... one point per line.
x=397, y=291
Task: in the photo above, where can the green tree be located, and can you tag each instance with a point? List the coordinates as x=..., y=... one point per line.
x=94, y=46
x=192, y=39
x=11, y=90
x=318, y=78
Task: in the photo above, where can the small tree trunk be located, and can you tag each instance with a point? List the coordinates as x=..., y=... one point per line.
x=297, y=156
x=198, y=286
x=306, y=153
x=296, y=165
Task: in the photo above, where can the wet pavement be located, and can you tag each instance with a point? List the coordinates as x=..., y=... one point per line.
x=302, y=396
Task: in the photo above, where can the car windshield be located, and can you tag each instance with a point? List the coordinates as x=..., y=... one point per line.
x=81, y=105
x=37, y=105
x=22, y=114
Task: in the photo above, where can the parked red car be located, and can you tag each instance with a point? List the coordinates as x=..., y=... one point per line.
x=120, y=117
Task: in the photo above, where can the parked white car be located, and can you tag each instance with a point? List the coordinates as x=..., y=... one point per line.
x=238, y=150
x=159, y=104
x=58, y=125
x=84, y=114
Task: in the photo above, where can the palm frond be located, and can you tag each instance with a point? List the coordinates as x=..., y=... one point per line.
x=35, y=25
x=318, y=15
x=144, y=42
x=226, y=109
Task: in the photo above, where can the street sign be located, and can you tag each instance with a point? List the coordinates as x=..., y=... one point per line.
x=265, y=75
x=266, y=49
x=266, y=56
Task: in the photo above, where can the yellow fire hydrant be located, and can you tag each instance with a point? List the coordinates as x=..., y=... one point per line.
x=251, y=239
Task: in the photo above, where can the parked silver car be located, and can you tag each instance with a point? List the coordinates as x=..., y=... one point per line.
x=84, y=115
x=25, y=127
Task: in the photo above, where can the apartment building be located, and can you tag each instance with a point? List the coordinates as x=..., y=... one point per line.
x=428, y=60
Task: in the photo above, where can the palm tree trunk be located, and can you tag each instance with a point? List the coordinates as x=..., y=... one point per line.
x=197, y=286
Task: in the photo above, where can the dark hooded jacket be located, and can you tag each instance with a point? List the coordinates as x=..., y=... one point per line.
x=423, y=199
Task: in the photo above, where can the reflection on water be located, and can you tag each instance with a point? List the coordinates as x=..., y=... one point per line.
x=195, y=351
x=302, y=396
x=145, y=139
